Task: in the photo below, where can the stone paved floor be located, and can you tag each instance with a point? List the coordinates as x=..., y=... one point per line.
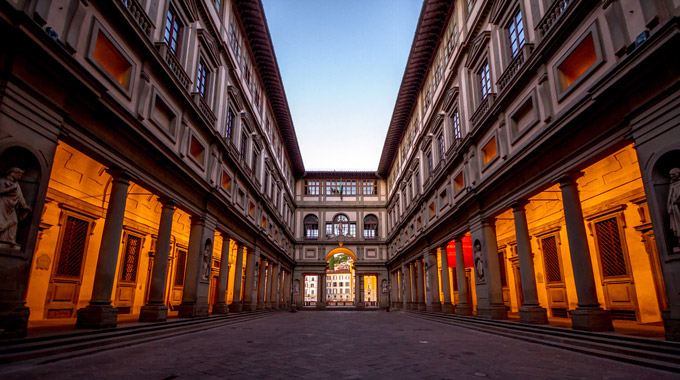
x=336, y=345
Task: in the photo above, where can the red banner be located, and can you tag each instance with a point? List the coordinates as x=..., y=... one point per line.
x=467, y=252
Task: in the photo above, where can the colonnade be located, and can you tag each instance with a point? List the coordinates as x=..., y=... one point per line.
x=267, y=293
x=417, y=279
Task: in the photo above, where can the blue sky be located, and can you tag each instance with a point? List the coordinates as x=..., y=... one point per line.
x=341, y=62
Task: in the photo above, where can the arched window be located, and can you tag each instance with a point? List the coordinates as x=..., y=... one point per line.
x=341, y=225
x=311, y=223
x=370, y=227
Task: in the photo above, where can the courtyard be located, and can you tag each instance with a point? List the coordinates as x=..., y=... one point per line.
x=335, y=345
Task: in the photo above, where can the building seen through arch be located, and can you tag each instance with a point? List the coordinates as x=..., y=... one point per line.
x=151, y=169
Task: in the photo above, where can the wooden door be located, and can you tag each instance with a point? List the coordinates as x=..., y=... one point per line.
x=558, y=303
x=127, y=273
x=504, y=278
x=617, y=278
x=518, y=283
x=177, y=287
x=67, y=273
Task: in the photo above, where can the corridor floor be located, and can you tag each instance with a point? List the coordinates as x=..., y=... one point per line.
x=336, y=345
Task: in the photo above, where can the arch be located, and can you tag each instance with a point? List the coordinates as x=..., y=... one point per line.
x=341, y=250
x=311, y=226
x=370, y=227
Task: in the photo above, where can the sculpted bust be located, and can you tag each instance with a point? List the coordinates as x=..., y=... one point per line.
x=11, y=199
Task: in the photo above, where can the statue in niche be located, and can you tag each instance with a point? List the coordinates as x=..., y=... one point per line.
x=673, y=206
x=207, y=254
x=479, y=261
x=11, y=199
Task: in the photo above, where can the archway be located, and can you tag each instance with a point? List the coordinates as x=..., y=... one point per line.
x=340, y=278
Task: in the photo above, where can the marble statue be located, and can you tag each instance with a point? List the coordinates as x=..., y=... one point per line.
x=479, y=261
x=11, y=199
x=207, y=253
x=673, y=205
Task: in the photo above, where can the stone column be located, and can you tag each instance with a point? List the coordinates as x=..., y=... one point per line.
x=489, y=290
x=155, y=310
x=588, y=315
x=447, y=306
x=271, y=288
x=262, y=283
x=463, y=307
x=199, y=263
x=220, y=306
x=236, y=305
x=252, y=277
x=321, y=299
x=276, y=287
x=412, y=294
x=432, y=301
x=405, y=282
x=99, y=313
x=531, y=311
x=359, y=289
x=420, y=286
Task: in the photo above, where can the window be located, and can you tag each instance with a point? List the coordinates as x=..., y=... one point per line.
x=73, y=244
x=352, y=230
x=173, y=30
x=455, y=124
x=311, y=225
x=458, y=182
x=370, y=227
x=112, y=60
x=312, y=187
x=197, y=150
x=180, y=266
x=230, y=123
x=235, y=37
x=369, y=187
x=349, y=187
x=428, y=159
x=610, y=248
x=485, y=80
x=442, y=148
x=128, y=270
x=329, y=229
x=201, y=78
x=226, y=181
x=489, y=151
x=553, y=270
x=516, y=33
x=244, y=144
x=218, y=5
x=501, y=267
x=255, y=158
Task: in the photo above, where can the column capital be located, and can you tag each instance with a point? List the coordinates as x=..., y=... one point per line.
x=226, y=235
x=197, y=219
x=167, y=202
x=519, y=205
x=569, y=178
x=490, y=221
x=120, y=175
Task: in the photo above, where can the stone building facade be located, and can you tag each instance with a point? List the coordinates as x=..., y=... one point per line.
x=158, y=172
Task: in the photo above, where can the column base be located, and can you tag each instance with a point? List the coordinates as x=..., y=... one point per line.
x=236, y=307
x=464, y=310
x=493, y=312
x=591, y=319
x=153, y=313
x=14, y=323
x=250, y=307
x=534, y=315
x=320, y=305
x=192, y=310
x=421, y=306
x=448, y=308
x=260, y=305
x=268, y=305
x=277, y=306
x=360, y=306
x=220, y=308
x=434, y=308
x=97, y=317
x=671, y=326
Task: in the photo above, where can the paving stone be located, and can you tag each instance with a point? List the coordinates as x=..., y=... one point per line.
x=334, y=345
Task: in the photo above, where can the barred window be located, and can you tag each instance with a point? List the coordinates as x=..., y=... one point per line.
x=72, y=250
x=442, y=148
x=128, y=270
x=610, y=248
x=553, y=272
x=202, y=79
x=230, y=123
x=180, y=267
